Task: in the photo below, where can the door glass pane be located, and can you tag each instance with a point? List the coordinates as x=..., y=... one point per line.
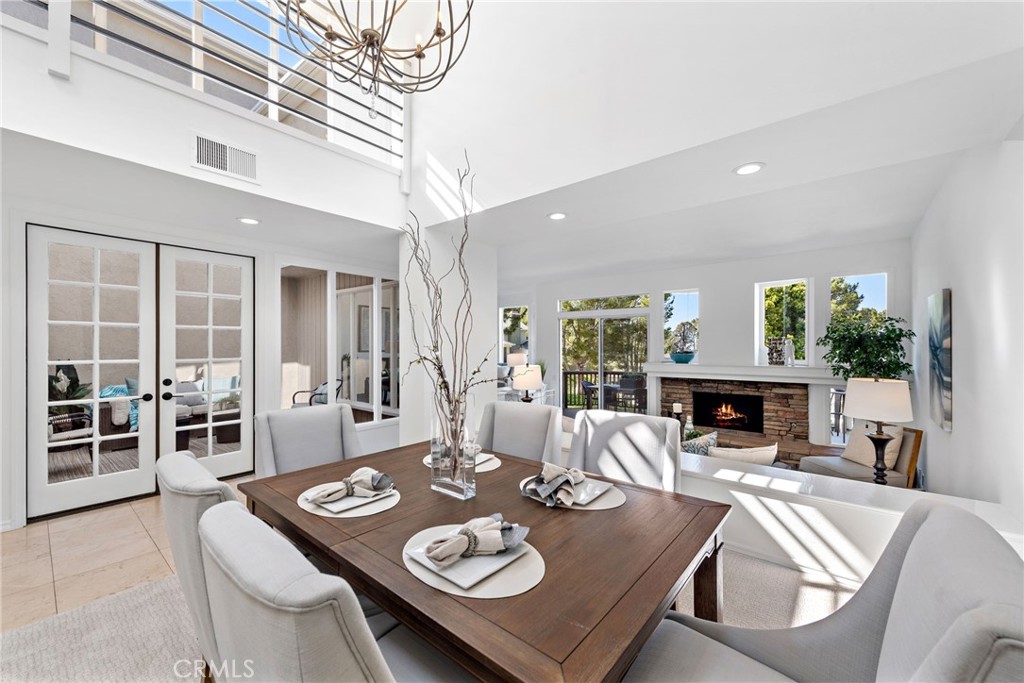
x=227, y=280
x=580, y=377
x=191, y=276
x=119, y=305
x=69, y=461
x=70, y=302
x=113, y=375
x=227, y=312
x=119, y=455
x=116, y=423
x=70, y=342
x=119, y=268
x=119, y=343
x=191, y=310
x=194, y=438
x=390, y=381
x=192, y=343
x=625, y=352
x=227, y=343
x=71, y=263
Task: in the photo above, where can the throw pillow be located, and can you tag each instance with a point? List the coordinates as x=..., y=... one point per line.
x=764, y=455
x=189, y=399
x=701, y=444
x=861, y=451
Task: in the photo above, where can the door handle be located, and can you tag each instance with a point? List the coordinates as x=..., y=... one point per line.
x=147, y=397
x=167, y=396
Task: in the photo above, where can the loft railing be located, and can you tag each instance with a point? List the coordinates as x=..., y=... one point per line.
x=238, y=51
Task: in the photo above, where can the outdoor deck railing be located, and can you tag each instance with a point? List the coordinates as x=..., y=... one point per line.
x=573, y=395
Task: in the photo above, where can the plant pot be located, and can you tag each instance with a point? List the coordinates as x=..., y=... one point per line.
x=682, y=357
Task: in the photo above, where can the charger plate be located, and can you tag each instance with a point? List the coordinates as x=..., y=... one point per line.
x=364, y=510
x=488, y=465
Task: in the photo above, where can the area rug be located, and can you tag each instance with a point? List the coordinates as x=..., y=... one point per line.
x=141, y=635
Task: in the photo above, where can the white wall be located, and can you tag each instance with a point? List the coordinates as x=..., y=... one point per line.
x=117, y=109
x=728, y=300
x=971, y=240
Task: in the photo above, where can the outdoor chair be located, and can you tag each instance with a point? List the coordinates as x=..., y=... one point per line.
x=639, y=448
x=274, y=611
x=943, y=603
x=290, y=440
x=526, y=430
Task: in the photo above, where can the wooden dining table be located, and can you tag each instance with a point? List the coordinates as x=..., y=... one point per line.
x=610, y=575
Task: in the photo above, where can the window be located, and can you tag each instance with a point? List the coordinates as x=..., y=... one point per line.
x=859, y=295
x=605, y=303
x=515, y=330
x=783, y=313
x=682, y=320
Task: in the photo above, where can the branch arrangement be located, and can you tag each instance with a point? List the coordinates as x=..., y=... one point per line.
x=444, y=352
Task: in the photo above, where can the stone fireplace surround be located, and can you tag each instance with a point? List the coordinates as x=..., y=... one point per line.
x=785, y=412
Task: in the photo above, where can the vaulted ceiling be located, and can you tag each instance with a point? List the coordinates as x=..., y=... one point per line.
x=629, y=116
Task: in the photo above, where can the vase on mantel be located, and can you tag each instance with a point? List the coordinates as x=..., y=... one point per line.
x=453, y=459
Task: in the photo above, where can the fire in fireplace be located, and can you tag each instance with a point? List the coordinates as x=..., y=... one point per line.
x=728, y=411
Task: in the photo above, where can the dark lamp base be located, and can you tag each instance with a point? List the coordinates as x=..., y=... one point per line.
x=881, y=440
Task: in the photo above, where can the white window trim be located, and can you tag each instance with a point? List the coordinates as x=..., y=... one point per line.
x=808, y=314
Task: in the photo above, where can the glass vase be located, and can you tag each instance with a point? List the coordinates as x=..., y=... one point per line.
x=452, y=463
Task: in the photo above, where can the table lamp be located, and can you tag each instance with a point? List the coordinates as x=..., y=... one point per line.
x=880, y=401
x=527, y=378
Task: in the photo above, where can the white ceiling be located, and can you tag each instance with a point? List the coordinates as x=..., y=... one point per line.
x=64, y=179
x=856, y=107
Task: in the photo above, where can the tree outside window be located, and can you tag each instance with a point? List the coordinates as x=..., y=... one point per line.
x=682, y=318
x=785, y=314
x=515, y=329
x=859, y=296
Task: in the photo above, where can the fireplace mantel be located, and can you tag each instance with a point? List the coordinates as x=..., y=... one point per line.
x=800, y=374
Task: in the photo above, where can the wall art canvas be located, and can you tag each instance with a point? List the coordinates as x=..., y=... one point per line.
x=940, y=347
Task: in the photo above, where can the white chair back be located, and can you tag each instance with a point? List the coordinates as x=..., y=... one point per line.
x=187, y=490
x=639, y=448
x=526, y=430
x=274, y=614
x=290, y=440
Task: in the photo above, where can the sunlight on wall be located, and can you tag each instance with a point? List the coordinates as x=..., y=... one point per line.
x=815, y=546
x=442, y=189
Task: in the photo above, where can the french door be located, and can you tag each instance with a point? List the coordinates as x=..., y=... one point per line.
x=98, y=394
x=602, y=362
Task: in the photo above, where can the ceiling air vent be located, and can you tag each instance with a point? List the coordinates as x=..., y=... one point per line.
x=223, y=158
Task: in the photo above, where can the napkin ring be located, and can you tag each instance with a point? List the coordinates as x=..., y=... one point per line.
x=349, y=489
x=473, y=542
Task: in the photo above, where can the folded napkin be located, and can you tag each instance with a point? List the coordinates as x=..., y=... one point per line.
x=555, y=485
x=365, y=482
x=480, y=536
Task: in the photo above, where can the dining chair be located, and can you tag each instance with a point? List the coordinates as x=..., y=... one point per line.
x=943, y=603
x=526, y=430
x=643, y=449
x=279, y=619
x=187, y=490
x=290, y=440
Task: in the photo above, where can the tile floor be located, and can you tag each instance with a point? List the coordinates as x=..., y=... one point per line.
x=63, y=563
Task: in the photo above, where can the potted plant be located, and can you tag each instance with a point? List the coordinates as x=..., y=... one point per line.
x=867, y=347
x=684, y=342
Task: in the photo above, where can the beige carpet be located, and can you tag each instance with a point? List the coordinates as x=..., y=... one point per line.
x=138, y=636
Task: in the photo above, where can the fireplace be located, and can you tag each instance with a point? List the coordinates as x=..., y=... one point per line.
x=738, y=412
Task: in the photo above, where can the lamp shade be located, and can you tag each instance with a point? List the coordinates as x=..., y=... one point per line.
x=527, y=377
x=514, y=360
x=878, y=400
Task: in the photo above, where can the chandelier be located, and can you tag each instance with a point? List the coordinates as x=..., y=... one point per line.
x=356, y=41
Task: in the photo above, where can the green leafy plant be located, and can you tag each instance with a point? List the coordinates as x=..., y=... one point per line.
x=543, y=367
x=65, y=386
x=867, y=347
x=692, y=434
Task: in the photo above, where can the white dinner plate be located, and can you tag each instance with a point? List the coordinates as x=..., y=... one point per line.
x=350, y=506
x=485, y=462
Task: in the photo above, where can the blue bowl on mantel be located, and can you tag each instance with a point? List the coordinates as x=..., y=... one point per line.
x=682, y=357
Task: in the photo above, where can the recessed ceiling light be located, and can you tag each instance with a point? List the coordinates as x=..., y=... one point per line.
x=556, y=216
x=748, y=168
x=249, y=221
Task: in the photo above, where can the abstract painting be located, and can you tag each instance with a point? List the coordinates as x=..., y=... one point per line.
x=940, y=347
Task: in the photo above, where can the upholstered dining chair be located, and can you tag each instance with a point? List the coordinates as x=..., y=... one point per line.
x=643, y=449
x=526, y=430
x=943, y=603
x=187, y=490
x=290, y=440
x=275, y=616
